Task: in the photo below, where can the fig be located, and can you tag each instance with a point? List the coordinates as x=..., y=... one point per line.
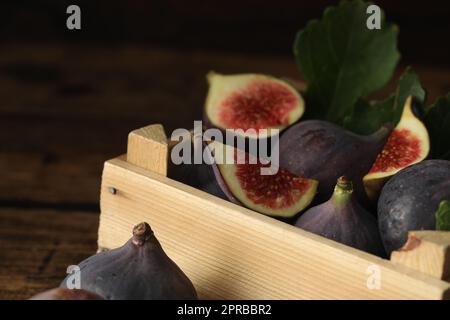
x=200, y=176
x=66, y=294
x=407, y=144
x=278, y=193
x=344, y=220
x=410, y=199
x=139, y=270
x=251, y=102
x=324, y=151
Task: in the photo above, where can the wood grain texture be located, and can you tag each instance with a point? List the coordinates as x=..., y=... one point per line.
x=65, y=108
x=37, y=245
x=230, y=252
x=427, y=252
x=148, y=148
x=69, y=107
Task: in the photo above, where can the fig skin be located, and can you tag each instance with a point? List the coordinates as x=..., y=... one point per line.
x=324, y=151
x=200, y=176
x=66, y=294
x=344, y=220
x=139, y=270
x=410, y=199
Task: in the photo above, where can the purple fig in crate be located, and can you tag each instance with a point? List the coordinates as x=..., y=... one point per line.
x=66, y=294
x=200, y=176
x=410, y=199
x=323, y=151
x=139, y=270
x=344, y=220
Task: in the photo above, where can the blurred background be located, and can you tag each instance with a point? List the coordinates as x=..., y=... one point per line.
x=69, y=98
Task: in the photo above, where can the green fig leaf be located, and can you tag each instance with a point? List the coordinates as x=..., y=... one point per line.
x=369, y=116
x=437, y=121
x=443, y=216
x=343, y=60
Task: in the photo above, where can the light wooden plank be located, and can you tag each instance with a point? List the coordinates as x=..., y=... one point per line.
x=148, y=148
x=427, y=252
x=230, y=252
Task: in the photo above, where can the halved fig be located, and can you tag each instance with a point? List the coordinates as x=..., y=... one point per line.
x=251, y=102
x=407, y=144
x=240, y=175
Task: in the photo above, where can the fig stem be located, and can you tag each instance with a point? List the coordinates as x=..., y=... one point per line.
x=342, y=191
x=344, y=185
x=141, y=233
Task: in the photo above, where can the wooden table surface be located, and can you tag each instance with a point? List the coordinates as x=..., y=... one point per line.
x=64, y=110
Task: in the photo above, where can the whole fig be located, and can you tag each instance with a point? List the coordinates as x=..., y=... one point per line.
x=342, y=219
x=410, y=199
x=139, y=270
x=323, y=151
x=200, y=176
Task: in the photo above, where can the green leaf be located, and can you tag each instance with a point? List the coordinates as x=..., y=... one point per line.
x=437, y=121
x=368, y=117
x=343, y=60
x=409, y=85
x=443, y=216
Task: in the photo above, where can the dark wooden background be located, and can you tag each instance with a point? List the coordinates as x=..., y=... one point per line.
x=69, y=98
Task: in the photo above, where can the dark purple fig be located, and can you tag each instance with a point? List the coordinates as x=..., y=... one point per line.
x=66, y=294
x=139, y=270
x=410, y=199
x=200, y=176
x=344, y=220
x=323, y=151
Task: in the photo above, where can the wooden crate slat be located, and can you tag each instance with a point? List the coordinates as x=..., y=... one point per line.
x=231, y=252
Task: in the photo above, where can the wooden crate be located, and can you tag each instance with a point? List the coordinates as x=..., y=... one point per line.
x=230, y=252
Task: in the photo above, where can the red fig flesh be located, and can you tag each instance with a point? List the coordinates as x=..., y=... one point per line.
x=342, y=219
x=251, y=102
x=282, y=194
x=407, y=144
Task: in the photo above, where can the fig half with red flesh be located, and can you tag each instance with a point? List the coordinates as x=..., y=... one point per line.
x=239, y=174
x=251, y=102
x=407, y=144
